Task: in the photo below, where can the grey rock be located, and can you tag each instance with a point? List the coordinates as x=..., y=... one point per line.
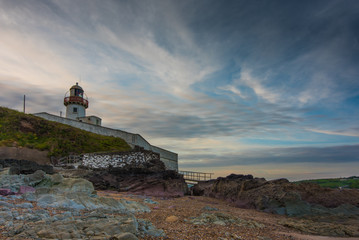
x=16, y=229
x=42, y=211
x=6, y=215
x=208, y=208
x=150, y=201
x=133, y=206
x=34, y=179
x=124, y=236
x=279, y=210
x=15, y=213
x=25, y=205
x=5, y=209
x=298, y=208
x=223, y=219
x=21, y=217
x=57, y=178
x=29, y=196
x=15, y=196
x=9, y=224
x=6, y=204
x=146, y=228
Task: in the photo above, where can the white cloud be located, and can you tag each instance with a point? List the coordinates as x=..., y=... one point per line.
x=319, y=87
x=268, y=94
x=233, y=89
x=340, y=133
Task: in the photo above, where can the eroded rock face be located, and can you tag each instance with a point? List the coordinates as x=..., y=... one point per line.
x=160, y=184
x=280, y=196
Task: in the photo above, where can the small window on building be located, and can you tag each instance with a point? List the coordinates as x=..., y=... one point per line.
x=75, y=109
x=97, y=122
x=89, y=118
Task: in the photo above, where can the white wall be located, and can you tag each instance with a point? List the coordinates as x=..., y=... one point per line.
x=81, y=111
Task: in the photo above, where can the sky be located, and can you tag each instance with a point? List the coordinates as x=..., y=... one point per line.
x=268, y=88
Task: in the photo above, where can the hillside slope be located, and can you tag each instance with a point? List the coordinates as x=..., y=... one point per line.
x=25, y=130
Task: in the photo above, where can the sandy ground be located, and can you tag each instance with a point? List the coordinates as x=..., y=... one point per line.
x=171, y=215
x=311, y=237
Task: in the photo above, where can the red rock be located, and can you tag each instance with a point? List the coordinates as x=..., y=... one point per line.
x=26, y=189
x=6, y=191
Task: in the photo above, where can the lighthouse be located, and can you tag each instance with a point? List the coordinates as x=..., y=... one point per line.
x=76, y=102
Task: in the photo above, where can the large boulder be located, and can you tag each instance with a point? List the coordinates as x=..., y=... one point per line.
x=161, y=184
x=16, y=182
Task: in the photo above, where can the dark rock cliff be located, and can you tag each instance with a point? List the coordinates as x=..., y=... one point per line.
x=279, y=196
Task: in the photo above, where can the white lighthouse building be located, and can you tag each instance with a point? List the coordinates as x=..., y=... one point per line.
x=76, y=103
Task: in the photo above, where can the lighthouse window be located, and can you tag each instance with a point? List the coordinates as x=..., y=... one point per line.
x=75, y=109
x=79, y=92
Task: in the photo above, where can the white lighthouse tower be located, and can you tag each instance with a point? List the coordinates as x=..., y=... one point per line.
x=76, y=102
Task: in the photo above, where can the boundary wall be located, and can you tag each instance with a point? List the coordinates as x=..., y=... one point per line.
x=170, y=159
x=136, y=159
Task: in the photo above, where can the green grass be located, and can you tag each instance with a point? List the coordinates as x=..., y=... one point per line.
x=351, y=182
x=26, y=130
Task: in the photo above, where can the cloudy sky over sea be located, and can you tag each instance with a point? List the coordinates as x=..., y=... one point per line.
x=269, y=88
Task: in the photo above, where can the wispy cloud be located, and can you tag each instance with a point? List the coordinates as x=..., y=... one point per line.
x=198, y=77
x=267, y=94
x=334, y=154
x=353, y=133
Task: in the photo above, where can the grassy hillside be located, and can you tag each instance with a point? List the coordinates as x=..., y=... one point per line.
x=25, y=130
x=351, y=182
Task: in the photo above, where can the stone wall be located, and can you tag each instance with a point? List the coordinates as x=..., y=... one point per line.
x=136, y=159
x=40, y=157
x=170, y=159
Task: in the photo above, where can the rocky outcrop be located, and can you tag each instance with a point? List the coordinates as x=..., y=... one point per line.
x=280, y=196
x=160, y=184
x=57, y=224
x=67, y=208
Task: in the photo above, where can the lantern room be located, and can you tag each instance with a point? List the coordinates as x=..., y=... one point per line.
x=76, y=102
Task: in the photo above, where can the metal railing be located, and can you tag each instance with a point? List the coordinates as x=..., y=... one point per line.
x=196, y=176
x=76, y=99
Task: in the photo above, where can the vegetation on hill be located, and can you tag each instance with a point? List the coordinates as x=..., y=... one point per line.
x=350, y=182
x=26, y=130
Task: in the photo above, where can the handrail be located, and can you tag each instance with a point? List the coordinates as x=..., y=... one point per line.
x=76, y=99
x=196, y=176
